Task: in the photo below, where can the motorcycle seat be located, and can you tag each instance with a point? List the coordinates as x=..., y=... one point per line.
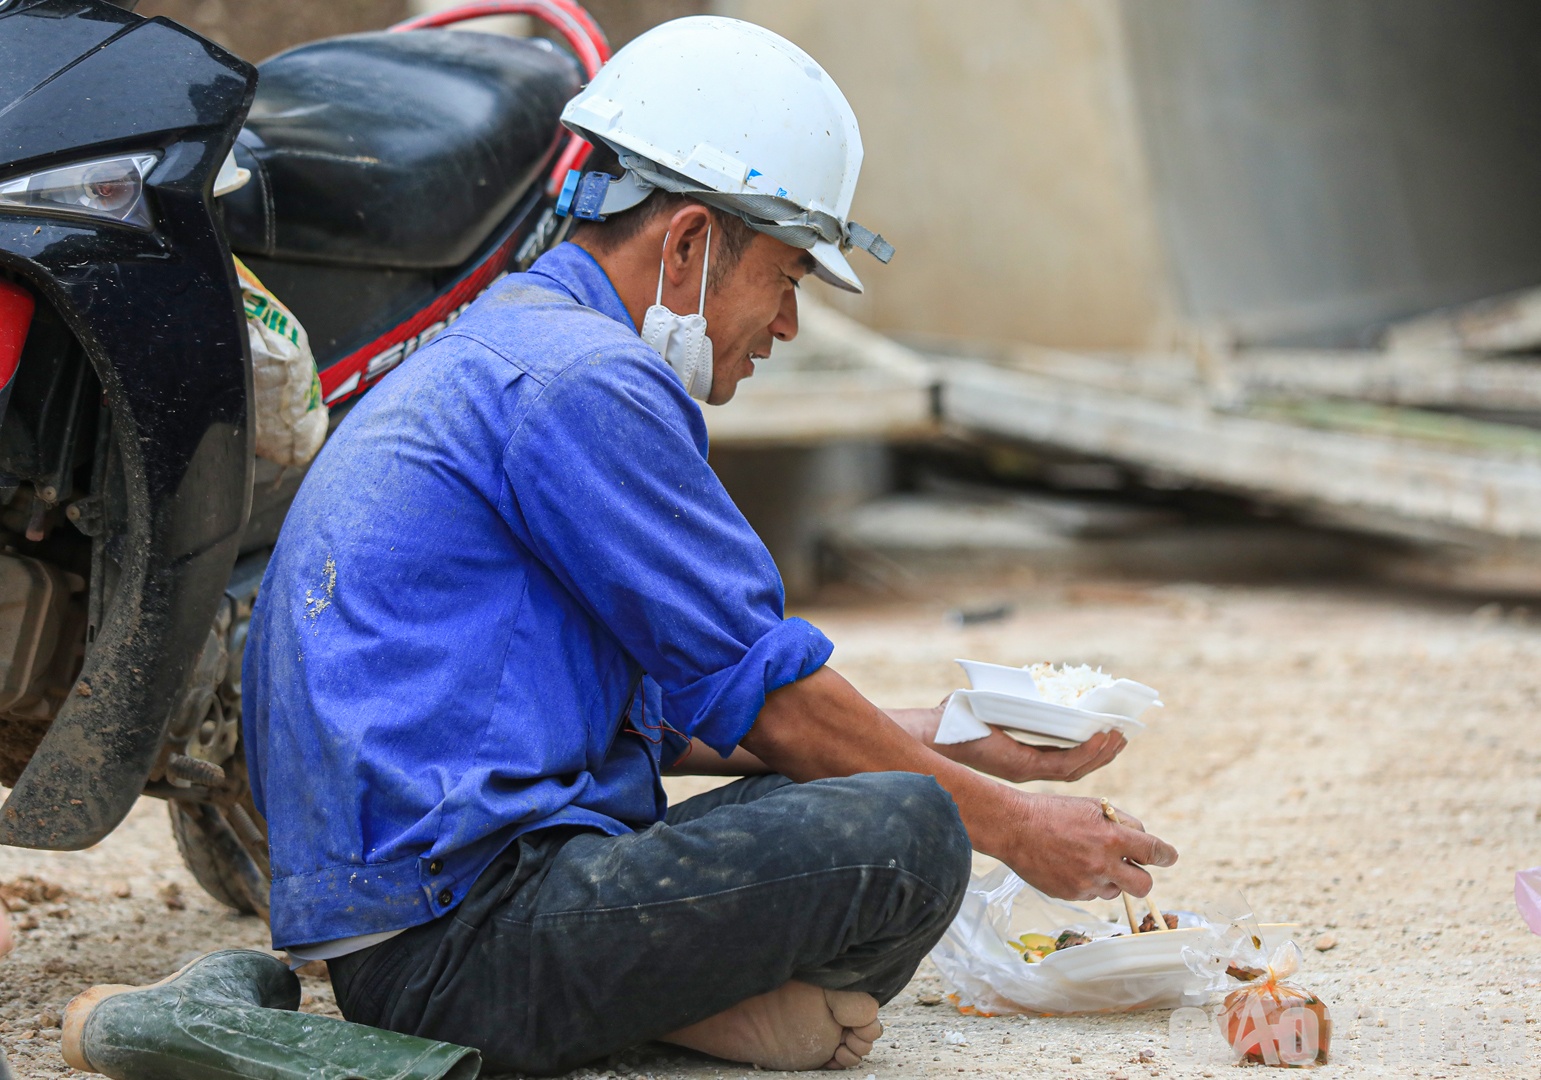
x=395, y=150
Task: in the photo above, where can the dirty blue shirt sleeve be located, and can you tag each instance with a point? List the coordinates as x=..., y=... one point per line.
x=610, y=487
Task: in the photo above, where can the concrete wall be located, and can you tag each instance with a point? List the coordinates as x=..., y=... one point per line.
x=1108, y=172
x=1325, y=165
x=1002, y=158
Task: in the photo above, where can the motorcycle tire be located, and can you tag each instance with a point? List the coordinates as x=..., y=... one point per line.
x=232, y=869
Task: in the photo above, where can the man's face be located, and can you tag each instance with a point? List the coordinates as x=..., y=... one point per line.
x=755, y=306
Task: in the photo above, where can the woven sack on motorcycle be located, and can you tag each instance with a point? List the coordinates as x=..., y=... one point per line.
x=291, y=418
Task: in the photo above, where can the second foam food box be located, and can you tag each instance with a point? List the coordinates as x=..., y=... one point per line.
x=1043, y=704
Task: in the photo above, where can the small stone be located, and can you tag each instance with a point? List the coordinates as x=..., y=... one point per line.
x=1325, y=942
x=51, y=1033
x=27, y=922
x=1147, y=1055
x=1075, y=1059
x=16, y=903
x=929, y=999
x=49, y=1019
x=60, y=912
x=30, y=1033
x=171, y=895
x=123, y=890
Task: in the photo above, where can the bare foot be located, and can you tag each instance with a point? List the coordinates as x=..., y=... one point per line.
x=799, y=1026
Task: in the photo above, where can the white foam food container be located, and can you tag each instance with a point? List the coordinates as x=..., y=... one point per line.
x=1157, y=953
x=1043, y=717
x=1007, y=697
x=1121, y=697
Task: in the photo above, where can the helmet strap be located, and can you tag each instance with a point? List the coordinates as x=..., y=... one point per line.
x=595, y=196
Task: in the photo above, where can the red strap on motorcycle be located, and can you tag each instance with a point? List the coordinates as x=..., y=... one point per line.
x=577, y=28
x=16, y=307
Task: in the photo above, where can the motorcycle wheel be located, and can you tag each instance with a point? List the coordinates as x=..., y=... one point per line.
x=225, y=849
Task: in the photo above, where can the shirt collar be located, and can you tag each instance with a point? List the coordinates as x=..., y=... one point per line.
x=575, y=272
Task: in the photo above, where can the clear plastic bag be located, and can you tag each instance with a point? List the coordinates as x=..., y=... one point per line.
x=1266, y=1020
x=990, y=976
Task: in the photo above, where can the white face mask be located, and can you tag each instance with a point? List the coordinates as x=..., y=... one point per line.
x=681, y=339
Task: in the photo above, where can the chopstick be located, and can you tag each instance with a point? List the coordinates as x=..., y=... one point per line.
x=1134, y=926
x=1150, y=901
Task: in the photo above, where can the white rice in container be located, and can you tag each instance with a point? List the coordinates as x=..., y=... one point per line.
x=1067, y=685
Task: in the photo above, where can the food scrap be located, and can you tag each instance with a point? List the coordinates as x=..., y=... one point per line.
x=1034, y=947
x=1149, y=923
x=1071, y=938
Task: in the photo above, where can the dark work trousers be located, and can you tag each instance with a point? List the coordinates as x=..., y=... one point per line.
x=573, y=945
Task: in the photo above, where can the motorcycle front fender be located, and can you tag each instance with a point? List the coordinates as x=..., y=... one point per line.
x=158, y=314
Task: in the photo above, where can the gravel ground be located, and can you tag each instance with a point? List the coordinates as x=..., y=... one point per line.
x=1363, y=764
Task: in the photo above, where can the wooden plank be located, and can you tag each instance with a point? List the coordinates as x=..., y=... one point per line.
x=1392, y=378
x=1396, y=422
x=1508, y=323
x=1383, y=478
x=1413, y=379
x=1171, y=377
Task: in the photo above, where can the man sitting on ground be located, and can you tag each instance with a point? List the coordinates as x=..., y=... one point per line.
x=512, y=592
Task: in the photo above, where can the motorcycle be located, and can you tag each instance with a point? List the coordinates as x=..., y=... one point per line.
x=377, y=183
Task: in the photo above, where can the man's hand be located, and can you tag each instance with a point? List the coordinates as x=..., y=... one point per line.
x=1001, y=755
x=820, y=726
x=1067, y=848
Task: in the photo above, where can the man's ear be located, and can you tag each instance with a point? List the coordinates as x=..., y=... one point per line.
x=686, y=244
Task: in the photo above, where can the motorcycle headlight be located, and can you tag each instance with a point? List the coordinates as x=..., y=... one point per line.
x=108, y=189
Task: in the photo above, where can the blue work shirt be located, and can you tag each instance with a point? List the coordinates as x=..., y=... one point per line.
x=509, y=574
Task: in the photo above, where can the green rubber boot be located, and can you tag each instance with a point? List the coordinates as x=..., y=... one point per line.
x=232, y=1014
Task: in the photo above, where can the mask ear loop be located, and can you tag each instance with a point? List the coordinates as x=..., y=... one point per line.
x=658, y=299
x=706, y=263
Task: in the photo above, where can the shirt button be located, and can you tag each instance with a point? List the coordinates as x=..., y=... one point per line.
x=445, y=896
x=436, y=867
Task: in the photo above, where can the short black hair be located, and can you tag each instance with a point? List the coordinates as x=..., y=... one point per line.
x=732, y=233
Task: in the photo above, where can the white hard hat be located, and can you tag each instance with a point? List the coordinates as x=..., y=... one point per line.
x=738, y=117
